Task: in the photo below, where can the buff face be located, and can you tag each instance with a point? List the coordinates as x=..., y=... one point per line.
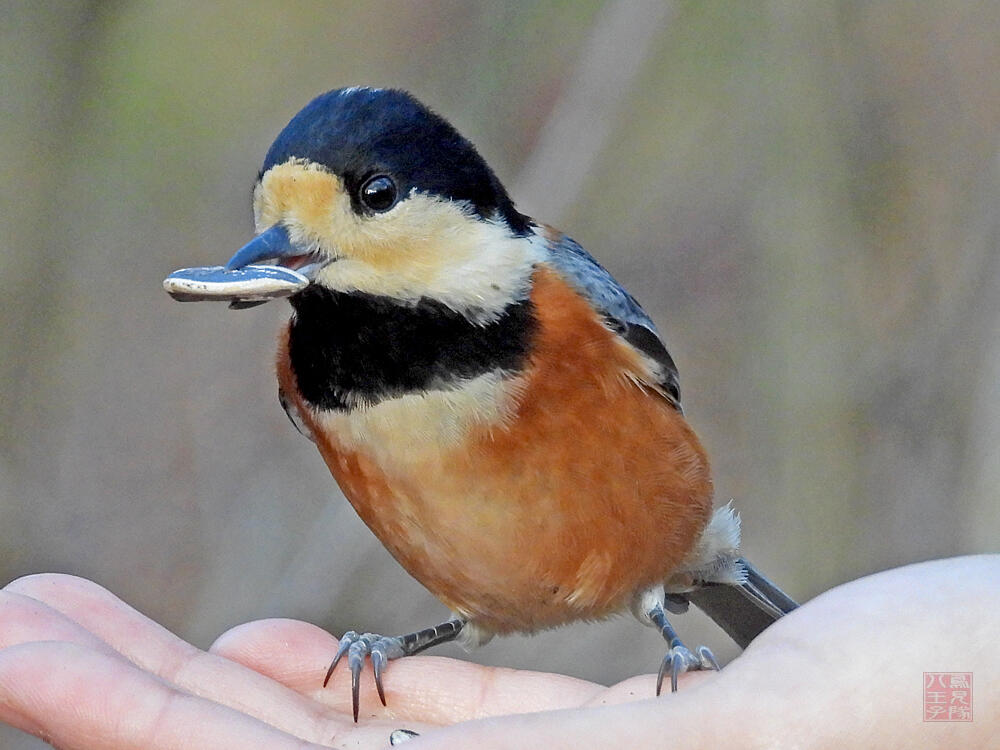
x=421, y=246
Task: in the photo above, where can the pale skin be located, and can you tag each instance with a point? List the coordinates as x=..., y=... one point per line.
x=83, y=670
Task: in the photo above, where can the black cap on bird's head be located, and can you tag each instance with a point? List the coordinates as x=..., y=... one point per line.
x=369, y=190
x=359, y=132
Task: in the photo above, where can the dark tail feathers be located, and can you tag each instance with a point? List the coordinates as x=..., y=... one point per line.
x=743, y=610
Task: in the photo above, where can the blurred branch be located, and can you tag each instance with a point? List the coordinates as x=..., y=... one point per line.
x=573, y=137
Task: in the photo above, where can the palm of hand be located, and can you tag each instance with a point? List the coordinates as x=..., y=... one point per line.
x=82, y=669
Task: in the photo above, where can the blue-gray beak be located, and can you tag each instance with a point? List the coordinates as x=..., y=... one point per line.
x=273, y=243
x=244, y=282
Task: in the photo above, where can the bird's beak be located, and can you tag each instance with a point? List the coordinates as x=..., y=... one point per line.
x=243, y=283
x=275, y=244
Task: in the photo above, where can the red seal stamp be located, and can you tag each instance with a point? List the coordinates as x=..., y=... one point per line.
x=947, y=696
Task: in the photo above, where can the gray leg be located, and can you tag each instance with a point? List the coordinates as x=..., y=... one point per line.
x=383, y=648
x=679, y=658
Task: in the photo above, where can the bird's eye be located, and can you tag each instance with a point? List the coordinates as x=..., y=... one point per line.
x=378, y=193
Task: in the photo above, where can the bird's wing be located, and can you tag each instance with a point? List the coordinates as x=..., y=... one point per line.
x=619, y=308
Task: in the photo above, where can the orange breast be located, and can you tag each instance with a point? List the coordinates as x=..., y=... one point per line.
x=592, y=489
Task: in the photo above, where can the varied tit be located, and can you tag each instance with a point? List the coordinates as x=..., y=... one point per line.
x=496, y=407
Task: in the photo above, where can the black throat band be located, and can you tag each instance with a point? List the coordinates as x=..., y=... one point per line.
x=350, y=349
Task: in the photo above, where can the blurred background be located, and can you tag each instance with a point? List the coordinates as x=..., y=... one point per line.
x=803, y=194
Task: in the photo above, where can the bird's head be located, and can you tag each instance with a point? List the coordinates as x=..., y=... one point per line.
x=367, y=190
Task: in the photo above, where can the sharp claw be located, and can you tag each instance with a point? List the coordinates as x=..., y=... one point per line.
x=707, y=659
x=661, y=673
x=677, y=668
x=356, y=660
x=345, y=643
x=378, y=661
x=355, y=690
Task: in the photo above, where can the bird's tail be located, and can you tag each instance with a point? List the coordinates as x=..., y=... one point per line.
x=725, y=586
x=743, y=609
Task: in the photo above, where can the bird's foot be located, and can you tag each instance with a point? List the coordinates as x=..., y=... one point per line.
x=681, y=659
x=357, y=647
x=382, y=648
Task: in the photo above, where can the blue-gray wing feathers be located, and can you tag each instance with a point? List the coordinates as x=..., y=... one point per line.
x=619, y=308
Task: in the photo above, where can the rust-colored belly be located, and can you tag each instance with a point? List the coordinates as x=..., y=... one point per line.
x=585, y=487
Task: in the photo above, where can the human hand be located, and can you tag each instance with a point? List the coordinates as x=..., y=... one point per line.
x=81, y=669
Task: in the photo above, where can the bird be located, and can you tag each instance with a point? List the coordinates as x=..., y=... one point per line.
x=501, y=413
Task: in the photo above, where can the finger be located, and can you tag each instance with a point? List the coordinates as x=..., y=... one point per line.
x=704, y=715
x=24, y=620
x=140, y=639
x=426, y=688
x=650, y=723
x=154, y=648
x=643, y=687
x=74, y=697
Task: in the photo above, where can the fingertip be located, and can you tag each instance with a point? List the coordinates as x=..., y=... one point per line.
x=77, y=598
x=17, y=691
x=40, y=678
x=25, y=619
x=293, y=652
x=274, y=635
x=46, y=583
